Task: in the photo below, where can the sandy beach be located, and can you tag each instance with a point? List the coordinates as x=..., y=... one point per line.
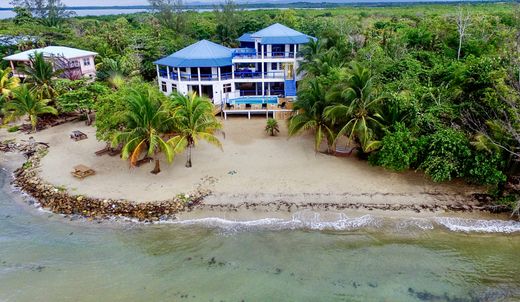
x=252, y=168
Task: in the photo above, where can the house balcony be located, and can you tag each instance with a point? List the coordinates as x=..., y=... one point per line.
x=245, y=75
x=254, y=56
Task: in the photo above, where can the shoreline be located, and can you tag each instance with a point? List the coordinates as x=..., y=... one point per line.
x=61, y=202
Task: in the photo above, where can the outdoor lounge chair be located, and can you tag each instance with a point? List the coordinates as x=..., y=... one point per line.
x=116, y=151
x=282, y=105
x=77, y=135
x=264, y=105
x=103, y=151
x=344, y=151
x=248, y=106
x=82, y=171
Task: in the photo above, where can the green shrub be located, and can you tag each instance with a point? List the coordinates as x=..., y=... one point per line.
x=445, y=155
x=13, y=129
x=398, y=151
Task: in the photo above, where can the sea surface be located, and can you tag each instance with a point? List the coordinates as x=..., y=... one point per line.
x=4, y=14
x=48, y=257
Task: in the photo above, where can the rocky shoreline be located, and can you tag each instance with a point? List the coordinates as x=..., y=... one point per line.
x=58, y=200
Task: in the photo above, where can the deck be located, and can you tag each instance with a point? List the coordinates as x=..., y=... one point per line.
x=276, y=113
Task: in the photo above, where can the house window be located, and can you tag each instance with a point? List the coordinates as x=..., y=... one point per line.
x=163, y=87
x=226, y=88
x=174, y=87
x=86, y=61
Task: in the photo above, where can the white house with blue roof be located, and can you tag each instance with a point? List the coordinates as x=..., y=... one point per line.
x=265, y=65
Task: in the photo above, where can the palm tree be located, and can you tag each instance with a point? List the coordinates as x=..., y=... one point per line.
x=40, y=75
x=357, y=108
x=272, y=127
x=26, y=103
x=194, y=120
x=319, y=61
x=146, y=121
x=308, y=114
x=8, y=82
x=114, y=72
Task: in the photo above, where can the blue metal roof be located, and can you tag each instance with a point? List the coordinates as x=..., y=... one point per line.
x=201, y=54
x=246, y=38
x=281, y=34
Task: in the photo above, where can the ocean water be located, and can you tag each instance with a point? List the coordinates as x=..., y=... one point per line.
x=47, y=257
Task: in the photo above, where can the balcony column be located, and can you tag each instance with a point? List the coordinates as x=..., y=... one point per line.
x=168, y=72
x=263, y=79
x=179, y=74
x=295, y=46
x=233, y=71
x=218, y=72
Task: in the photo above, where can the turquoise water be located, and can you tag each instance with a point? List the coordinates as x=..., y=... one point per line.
x=255, y=100
x=46, y=257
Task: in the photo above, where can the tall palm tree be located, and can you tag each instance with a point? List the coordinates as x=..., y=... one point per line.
x=8, y=82
x=357, y=108
x=146, y=121
x=318, y=60
x=40, y=76
x=194, y=120
x=26, y=103
x=308, y=114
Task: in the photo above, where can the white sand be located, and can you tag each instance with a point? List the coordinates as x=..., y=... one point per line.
x=267, y=169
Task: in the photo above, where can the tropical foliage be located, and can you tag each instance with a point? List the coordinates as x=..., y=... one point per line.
x=145, y=126
x=194, y=120
x=40, y=75
x=272, y=127
x=26, y=103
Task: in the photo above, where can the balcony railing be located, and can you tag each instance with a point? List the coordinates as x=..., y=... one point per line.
x=241, y=74
x=251, y=92
x=258, y=55
x=258, y=75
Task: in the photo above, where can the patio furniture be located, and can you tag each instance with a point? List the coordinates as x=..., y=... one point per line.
x=344, y=151
x=143, y=161
x=77, y=135
x=82, y=171
x=116, y=151
x=282, y=105
x=103, y=151
x=248, y=106
x=264, y=105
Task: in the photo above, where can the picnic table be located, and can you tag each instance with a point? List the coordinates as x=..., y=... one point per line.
x=82, y=171
x=78, y=135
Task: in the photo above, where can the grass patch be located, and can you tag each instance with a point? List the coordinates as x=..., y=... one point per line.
x=13, y=129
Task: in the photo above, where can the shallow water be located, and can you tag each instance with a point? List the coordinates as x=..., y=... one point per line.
x=46, y=257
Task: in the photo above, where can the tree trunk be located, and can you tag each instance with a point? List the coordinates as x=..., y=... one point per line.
x=157, y=168
x=188, y=161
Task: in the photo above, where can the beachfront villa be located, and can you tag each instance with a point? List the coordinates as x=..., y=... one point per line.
x=75, y=63
x=261, y=73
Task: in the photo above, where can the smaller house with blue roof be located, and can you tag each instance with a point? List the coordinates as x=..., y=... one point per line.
x=265, y=65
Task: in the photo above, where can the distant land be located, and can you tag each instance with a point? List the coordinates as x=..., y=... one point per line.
x=289, y=4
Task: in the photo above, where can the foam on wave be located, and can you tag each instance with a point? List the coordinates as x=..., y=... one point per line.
x=478, y=225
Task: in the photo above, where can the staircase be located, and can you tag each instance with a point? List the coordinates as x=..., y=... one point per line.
x=290, y=88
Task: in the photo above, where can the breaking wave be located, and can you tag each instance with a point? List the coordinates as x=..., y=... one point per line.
x=478, y=225
x=342, y=222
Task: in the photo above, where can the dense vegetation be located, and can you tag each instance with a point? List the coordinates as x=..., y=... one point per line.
x=431, y=88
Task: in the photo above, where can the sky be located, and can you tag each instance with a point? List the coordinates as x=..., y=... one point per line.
x=5, y=3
